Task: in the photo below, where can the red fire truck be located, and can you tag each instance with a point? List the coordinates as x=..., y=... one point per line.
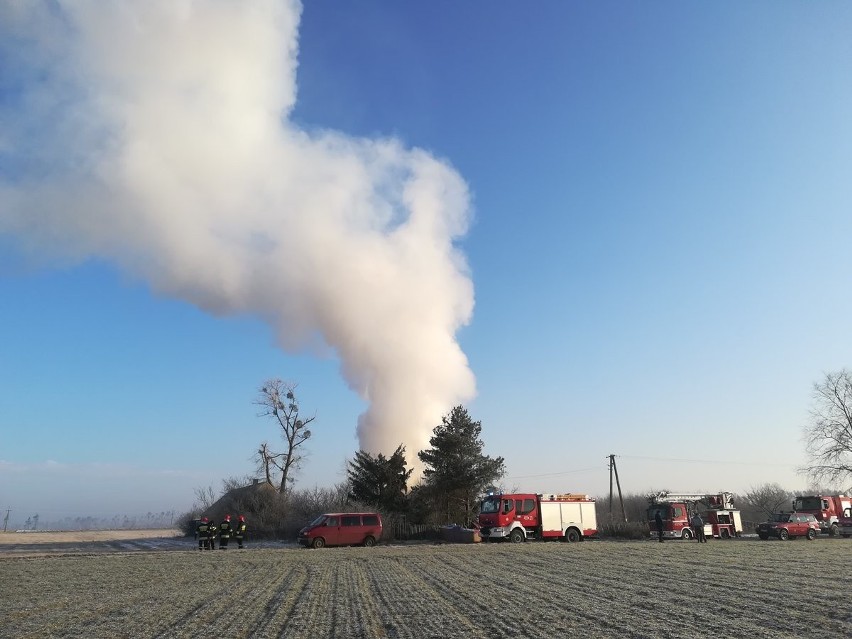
x=721, y=519
x=523, y=516
x=827, y=509
x=845, y=522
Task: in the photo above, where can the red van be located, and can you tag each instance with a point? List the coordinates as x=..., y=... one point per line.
x=342, y=529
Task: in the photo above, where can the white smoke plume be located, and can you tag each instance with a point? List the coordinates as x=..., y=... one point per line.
x=157, y=135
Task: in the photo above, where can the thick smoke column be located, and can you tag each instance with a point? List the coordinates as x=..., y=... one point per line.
x=156, y=134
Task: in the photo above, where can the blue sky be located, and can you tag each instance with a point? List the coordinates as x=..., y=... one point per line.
x=658, y=250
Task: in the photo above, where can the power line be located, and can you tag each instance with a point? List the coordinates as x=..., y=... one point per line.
x=564, y=472
x=707, y=461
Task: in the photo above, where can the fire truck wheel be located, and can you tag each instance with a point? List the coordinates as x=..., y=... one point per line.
x=686, y=534
x=833, y=530
x=516, y=536
x=725, y=533
x=783, y=535
x=572, y=536
x=811, y=534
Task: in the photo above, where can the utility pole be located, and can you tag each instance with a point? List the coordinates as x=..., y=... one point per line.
x=613, y=470
x=6, y=519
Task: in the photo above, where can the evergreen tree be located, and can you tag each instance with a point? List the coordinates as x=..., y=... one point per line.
x=380, y=481
x=457, y=472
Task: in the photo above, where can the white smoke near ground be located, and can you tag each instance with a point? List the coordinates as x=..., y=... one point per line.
x=157, y=135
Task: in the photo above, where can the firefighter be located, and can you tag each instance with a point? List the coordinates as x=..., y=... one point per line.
x=658, y=519
x=211, y=536
x=698, y=528
x=201, y=533
x=240, y=531
x=224, y=533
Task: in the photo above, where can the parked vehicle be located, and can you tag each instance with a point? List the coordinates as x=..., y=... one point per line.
x=827, y=509
x=844, y=524
x=787, y=525
x=342, y=529
x=522, y=516
x=721, y=519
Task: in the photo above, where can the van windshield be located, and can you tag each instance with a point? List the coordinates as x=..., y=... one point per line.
x=317, y=521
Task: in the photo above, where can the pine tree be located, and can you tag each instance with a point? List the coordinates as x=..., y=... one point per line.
x=380, y=481
x=457, y=472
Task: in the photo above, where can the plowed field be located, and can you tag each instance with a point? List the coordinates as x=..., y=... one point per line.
x=738, y=588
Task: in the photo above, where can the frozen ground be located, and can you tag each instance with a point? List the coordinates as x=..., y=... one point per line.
x=96, y=541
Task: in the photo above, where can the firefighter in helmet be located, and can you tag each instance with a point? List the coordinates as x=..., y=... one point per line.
x=201, y=533
x=224, y=532
x=211, y=536
x=240, y=531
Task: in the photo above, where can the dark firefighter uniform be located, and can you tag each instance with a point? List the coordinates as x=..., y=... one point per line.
x=201, y=533
x=211, y=536
x=224, y=532
x=240, y=531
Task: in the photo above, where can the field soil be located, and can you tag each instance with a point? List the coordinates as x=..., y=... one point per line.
x=77, y=536
x=77, y=541
x=735, y=588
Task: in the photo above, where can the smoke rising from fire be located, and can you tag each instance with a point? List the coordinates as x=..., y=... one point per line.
x=157, y=135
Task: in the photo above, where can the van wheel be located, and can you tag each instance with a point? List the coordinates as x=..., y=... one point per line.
x=811, y=534
x=686, y=534
x=572, y=536
x=369, y=542
x=318, y=542
x=516, y=536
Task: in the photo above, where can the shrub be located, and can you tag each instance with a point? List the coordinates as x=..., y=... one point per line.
x=624, y=530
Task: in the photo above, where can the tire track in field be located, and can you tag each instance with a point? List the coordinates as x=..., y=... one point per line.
x=308, y=612
x=582, y=595
x=709, y=589
x=456, y=582
x=287, y=594
x=363, y=602
x=556, y=593
x=411, y=592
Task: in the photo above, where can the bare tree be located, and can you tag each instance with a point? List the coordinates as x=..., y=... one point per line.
x=828, y=435
x=762, y=501
x=265, y=459
x=233, y=482
x=204, y=498
x=278, y=401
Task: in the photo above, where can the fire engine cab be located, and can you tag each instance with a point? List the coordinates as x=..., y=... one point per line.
x=828, y=510
x=721, y=519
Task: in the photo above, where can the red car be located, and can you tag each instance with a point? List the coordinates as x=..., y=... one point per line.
x=787, y=525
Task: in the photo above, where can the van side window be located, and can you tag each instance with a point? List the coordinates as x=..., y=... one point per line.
x=371, y=520
x=351, y=520
x=331, y=521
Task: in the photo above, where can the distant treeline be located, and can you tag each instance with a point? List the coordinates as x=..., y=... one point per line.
x=164, y=519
